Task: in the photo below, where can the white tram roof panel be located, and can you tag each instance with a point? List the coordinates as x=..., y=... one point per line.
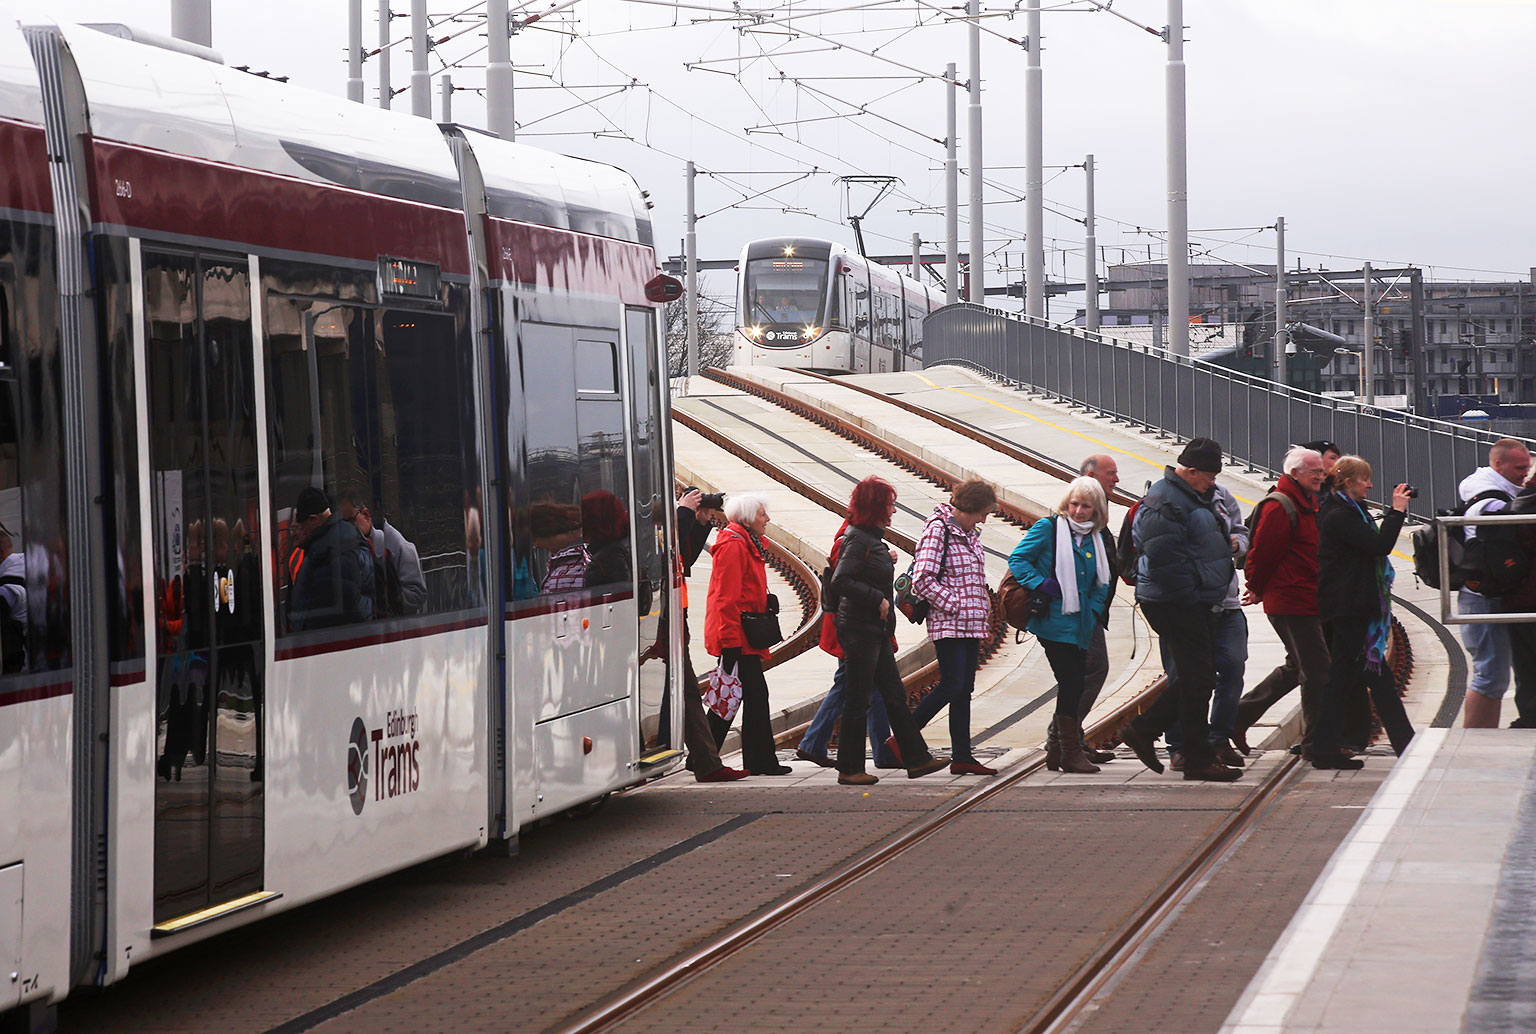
x=173, y=102
x=20, y=96
x=535, y=186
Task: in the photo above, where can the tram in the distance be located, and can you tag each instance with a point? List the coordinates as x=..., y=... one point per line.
x=335, y=498
x=811, y=304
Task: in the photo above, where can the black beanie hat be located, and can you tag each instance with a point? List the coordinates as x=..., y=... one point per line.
x=1202, y=454
x=311, y=501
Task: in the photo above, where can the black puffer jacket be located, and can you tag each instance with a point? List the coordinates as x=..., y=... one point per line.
x=1349, y=552
x=865, y=575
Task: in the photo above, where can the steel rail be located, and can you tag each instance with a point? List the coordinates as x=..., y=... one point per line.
x=859, y=436
x=716, y=950
x=1118, y=952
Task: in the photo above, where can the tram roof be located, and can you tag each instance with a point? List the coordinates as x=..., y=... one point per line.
x=186, y=105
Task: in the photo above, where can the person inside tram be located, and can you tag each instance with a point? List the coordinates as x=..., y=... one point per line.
x=331, y=572
x=556, y=529
x=401, y=588
x=787, y=310
x=13, y=604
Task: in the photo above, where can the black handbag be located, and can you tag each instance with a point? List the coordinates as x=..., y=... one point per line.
x=762, y=628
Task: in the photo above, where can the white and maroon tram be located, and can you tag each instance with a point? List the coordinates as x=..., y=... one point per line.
x=809, y=304
x=218, y=294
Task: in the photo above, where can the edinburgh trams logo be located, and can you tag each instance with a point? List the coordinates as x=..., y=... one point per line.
x=391, y=753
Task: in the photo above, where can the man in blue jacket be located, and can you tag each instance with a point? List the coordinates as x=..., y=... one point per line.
x=1183, y=570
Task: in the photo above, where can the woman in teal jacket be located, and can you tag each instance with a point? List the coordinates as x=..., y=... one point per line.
x=1063, y=559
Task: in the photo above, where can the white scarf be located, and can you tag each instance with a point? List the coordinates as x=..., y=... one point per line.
x=1066, y=561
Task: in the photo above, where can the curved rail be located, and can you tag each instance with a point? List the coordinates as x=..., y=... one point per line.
x=1029, y=457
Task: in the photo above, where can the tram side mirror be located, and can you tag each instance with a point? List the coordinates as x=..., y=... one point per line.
x=664, y=288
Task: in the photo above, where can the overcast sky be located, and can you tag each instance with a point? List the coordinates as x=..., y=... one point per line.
x=1395, y=131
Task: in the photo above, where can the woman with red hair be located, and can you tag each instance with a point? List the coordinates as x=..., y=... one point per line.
x=863, y=587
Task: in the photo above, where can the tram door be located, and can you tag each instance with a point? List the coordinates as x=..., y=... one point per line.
x=205, y=516
x=653, y=503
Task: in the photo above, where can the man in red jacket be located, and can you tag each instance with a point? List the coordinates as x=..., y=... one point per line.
x=1282, y=572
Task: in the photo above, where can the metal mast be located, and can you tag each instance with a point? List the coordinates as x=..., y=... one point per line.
x=951, y=198
x=498, y=72
x=973, y=149
x=1034, y=173
x=1178, y=187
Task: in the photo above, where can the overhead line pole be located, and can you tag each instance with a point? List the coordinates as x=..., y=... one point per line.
x=355, y=51
x=1178, y=186
x=1034, y=172
x=1369, y=352
x=421, y=79
x=1280, y=361
x=1091, y=256
x=386, y=90
x=498, y=72
x=951, y=197
x=691, y=256
x=974, y=268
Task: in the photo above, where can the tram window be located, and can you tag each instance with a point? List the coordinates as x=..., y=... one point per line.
x=596, y=367
x=6, y=331
x=577, y=466
x=13, y=571
x=364, y=404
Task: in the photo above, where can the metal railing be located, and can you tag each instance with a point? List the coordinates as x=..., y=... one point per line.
x=1255, y=420
x=1448, y=613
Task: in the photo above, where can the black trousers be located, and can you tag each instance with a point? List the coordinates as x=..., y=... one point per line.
x=1069, y=663
x=872, y=669
x=757, y=750
x=1189, y=634
x=1348, y=674
x=1522, y=653
x=1306, y=663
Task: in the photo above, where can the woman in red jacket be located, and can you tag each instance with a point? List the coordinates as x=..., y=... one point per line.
x=738, y=583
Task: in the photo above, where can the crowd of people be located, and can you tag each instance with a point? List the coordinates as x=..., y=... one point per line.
x=1312, y=553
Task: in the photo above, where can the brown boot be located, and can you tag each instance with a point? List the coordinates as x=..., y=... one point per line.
x=1052, y=747
x=1098, y=757
x=1070, y=735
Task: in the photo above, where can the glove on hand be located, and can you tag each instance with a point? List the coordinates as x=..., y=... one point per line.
x=1050, y=587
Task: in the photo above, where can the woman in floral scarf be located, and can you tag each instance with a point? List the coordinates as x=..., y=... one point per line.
x=1354, y=593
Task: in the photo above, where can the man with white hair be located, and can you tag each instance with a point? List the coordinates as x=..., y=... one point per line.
x=1282, y=572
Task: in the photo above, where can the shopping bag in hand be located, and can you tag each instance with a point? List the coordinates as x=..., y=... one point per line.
x=724, y=693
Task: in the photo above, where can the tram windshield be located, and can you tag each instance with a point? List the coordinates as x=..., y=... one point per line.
x=785, y=290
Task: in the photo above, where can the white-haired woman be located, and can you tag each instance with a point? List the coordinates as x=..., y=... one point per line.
x=1064, y=559
x=738, y=583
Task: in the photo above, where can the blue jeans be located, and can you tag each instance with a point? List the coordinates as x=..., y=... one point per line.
x=1230, y=648
x=957, y=659
x=1488, y=645
x=819, y=734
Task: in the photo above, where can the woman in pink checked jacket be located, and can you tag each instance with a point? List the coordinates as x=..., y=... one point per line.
x=950, y=573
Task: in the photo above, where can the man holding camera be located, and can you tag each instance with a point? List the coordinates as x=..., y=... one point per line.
x=697, y=515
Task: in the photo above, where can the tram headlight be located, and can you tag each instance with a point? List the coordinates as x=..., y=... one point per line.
x=811, y=334
x=752, y=334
